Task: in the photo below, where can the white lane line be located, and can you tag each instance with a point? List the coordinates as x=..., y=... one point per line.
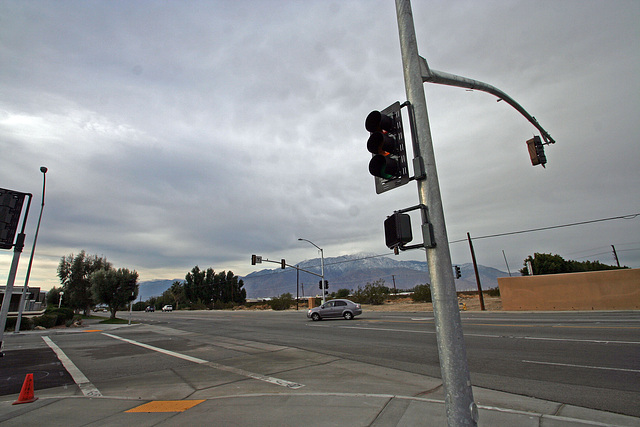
x=87, y=388
x=158, y=349
x=581, y=366
x=581, y=340
x=242, y=372
x=491, y=336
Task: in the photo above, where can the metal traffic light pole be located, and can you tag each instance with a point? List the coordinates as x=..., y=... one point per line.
x=460, y=408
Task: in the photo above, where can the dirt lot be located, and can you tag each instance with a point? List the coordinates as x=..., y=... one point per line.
x=468, y=302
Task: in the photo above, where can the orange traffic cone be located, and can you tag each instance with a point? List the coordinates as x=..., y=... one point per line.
x=26, y=394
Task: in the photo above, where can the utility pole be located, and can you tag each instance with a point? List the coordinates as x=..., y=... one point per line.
x=297, y=287
x=615, y=254
x=460, y=408
x=475, y=268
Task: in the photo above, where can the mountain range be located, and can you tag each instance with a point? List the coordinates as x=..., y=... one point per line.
x=343, y=272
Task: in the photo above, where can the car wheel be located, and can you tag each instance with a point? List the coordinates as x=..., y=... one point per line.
x=315, y=317
x=348, y=315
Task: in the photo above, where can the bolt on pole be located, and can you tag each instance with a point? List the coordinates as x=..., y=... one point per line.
x=460, y=407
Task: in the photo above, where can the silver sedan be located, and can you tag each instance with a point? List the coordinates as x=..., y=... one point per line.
x=335, y=308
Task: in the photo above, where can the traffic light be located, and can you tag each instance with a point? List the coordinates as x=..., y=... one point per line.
x=536, y=151
x=326, y=284
x=458, y=274
x=387, y=145
x=397, y=230
x=10, y=210
x=283, y=265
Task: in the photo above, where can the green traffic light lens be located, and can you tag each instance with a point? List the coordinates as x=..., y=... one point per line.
x=383, y=167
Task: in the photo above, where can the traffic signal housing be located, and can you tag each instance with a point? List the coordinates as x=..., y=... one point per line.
x=536, y=151
x=457, y=269
x=326, y=284
x=397, y=230
x=10, y=210
x=387, y=145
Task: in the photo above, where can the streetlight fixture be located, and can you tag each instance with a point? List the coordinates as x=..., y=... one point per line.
x=321, y=267
x=60, y=298
x=44, y=170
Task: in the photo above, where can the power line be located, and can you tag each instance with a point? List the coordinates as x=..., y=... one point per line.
x=631, y=216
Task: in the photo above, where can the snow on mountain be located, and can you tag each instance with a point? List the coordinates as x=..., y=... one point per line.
x=353, y=271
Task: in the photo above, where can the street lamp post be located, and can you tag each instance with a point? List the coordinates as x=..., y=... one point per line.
x=60, y=298
x=43, y=169
x=321, y=267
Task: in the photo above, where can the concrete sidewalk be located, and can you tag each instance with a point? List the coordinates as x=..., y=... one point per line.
x=294, y=409
x=216, y=394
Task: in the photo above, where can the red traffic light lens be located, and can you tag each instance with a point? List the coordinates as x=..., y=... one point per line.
x=378, y=122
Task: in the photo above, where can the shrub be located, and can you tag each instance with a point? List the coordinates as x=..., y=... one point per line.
x=62, y=314
x=198, y=305
x=26, y=324
x=494, y=292
x=282, y=302
x=373, y=293
x=47, y=320
x=219, y=305
x=421, y=293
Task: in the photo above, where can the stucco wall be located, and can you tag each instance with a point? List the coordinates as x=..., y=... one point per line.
x=595, y=290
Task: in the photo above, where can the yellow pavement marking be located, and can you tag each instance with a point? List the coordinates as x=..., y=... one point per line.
x=166, y=406
x=93, y=330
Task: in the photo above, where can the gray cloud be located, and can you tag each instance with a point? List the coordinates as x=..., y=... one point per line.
x=193, y=133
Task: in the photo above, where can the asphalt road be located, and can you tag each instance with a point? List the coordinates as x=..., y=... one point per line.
x=587, y=359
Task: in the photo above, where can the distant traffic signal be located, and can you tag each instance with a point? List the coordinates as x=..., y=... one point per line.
x=326, y=284
x=536, y=151
x=387, y=145
x=397, y=230
x=283, y=265
x=458, y=274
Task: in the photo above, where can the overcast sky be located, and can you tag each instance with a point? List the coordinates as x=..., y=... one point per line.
x=183, y=133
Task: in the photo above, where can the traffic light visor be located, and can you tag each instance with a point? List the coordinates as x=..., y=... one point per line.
x=378, y=122
x=379, y=143
x=383, y=167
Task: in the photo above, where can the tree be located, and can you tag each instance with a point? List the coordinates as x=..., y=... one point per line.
x=555, y=264
x=177, y=293
x=53, y=297
x=208, y=288
x=115, y=288
x=342, y=293
x=74, y=273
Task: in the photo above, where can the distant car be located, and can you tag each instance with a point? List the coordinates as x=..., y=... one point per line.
x=335, y=308
x=150, y=308
x=167, y=308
